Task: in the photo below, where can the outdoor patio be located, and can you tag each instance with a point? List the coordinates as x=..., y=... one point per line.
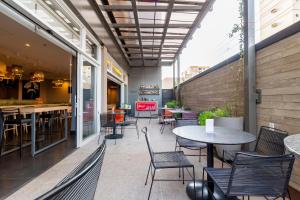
x=124, y=170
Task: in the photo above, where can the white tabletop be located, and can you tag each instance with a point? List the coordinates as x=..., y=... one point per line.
x=292, y=143
x=221, y=135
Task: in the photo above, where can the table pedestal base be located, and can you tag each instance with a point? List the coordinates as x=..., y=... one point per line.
x=218, y=195
x=114, y=136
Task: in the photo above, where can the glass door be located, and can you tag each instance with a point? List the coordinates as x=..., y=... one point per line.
x=89, y=100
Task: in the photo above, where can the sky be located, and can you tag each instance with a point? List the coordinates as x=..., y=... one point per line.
x=211, y=44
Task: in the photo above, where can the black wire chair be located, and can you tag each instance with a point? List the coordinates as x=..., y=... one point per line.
x=269, y=142
x=131, y=123
x=82, y=182
x=12, y=117
x=254, y=175
x=186, y=143
x=107, y=123
x=166, y=160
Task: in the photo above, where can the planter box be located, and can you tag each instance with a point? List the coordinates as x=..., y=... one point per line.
x=233, y=123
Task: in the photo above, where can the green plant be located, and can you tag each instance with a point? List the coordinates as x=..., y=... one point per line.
x=211, y=114
x=172, y=104
x=238, y=70
x=205, y=115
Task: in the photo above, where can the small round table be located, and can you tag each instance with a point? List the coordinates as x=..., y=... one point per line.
x=221, y=135
x=292, y=144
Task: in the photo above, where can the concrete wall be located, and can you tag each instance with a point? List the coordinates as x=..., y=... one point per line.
x=143, y=76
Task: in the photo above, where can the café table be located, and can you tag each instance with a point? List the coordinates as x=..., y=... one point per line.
x=292, y=144
x=114, y=134
x=220, y=135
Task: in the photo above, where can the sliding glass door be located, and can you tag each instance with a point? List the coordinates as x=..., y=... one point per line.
x=89, y=99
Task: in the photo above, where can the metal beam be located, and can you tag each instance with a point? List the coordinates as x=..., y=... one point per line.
x=137, y=24
x=129, y=25
x=129, y=37
x=162, y=63
x=102, y=19
x=197, y=2
x=152, y=46
x=144, y=8
x=150, y=58
x=167, y=22
x=250, y=68
x=150, y=52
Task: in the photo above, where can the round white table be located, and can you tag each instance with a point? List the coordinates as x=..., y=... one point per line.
x=221, y=135
x=292, y=144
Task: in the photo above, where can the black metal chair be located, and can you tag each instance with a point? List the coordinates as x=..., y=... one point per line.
x=166, y=160
x=253, y=175
x=186, y=143
x=131, y=123
x=12, y=117
x=153, y=115
x=82, y=182
x=107, y=123
x=269, y=142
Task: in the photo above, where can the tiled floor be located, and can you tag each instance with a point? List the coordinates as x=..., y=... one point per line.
x=124, y=169
x=16, y=171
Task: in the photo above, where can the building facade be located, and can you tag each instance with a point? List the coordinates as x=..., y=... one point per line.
x=276, y=15
x=192, y=71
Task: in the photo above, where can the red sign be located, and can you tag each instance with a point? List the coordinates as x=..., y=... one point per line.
x=146, y=106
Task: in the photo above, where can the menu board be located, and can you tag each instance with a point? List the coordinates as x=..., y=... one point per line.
x=149, y=90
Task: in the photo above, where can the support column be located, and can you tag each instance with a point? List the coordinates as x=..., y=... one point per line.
x=178, y=79
x=174, y=93
x=250, y=66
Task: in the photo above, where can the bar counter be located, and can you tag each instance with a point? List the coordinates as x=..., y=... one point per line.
x=32, y=110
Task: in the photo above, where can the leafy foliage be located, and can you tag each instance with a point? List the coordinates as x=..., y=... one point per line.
x=213, y=113
x=172, y=104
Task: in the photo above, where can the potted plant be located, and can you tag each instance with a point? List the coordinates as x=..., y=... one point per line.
x=228, y=120
x=223, y=117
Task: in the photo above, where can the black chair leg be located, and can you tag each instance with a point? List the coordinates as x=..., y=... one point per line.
x=182, y=175
x=137, y=131
x=151, y=184
x=194, y=179
x=21, y=140
x=148, y=173
x=200, y=154
x=223, y=157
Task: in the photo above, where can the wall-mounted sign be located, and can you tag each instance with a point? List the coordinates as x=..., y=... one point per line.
x=117, y=71
x=149, y=90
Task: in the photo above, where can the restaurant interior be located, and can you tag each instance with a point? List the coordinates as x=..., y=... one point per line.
x=34, y=74
x=113, y=95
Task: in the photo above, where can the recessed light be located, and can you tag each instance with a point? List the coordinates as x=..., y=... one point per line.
x=48, y=2
x=68, y=21
x=60, y=13
x=75, y=29
x=27, y=45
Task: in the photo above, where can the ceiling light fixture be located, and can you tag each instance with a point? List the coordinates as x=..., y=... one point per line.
x=57, y=83
x=17, y=71
x=75, y=29
x=38, y=76
x=27, y=45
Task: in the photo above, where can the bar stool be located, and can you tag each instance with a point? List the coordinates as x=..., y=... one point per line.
x=13, y=118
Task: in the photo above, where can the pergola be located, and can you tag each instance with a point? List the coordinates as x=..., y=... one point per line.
x=153, y=33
